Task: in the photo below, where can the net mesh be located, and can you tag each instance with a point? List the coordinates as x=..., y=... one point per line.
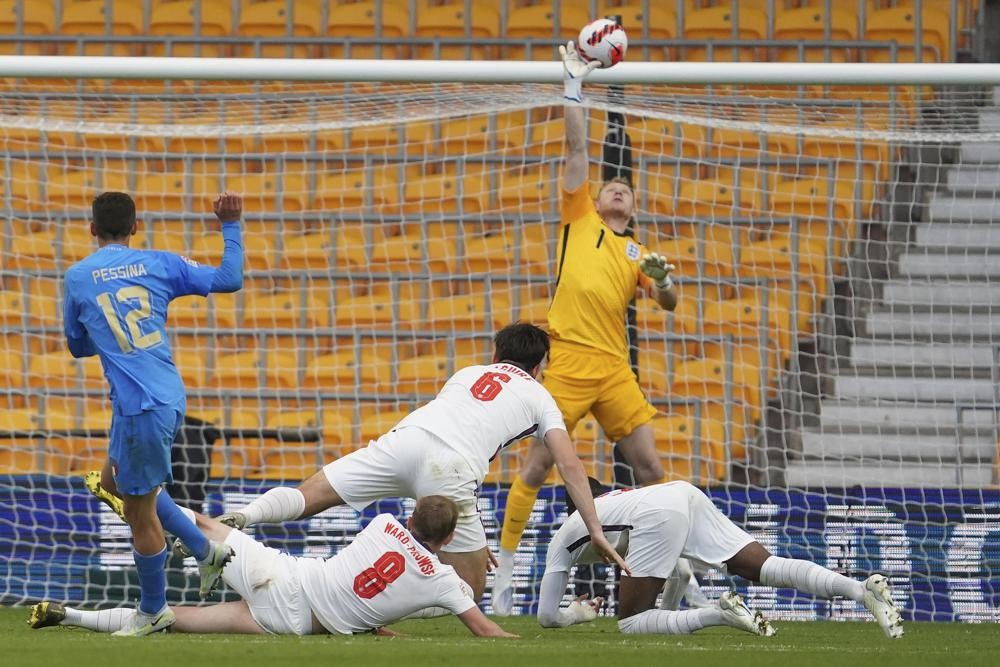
x=829, y=375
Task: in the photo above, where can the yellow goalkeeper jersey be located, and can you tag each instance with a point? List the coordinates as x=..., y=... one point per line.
x=597, y=275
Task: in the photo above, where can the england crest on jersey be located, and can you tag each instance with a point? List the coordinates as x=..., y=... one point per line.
x=632, y=250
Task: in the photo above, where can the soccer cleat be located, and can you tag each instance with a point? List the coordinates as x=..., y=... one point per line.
x=503, y=592
x=181, y=550
x=878, y=600
x=45, y=615
x=236, y=520
x=736, y=614
x=92, y=480
x=146, y=624
x=211, y=569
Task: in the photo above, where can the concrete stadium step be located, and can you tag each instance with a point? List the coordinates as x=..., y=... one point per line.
x=888, y=417
x=989, y=120
x=970, y=265
x=907, y=324
x=962, y=209
x=899, y=294
x=840, y=474
x=882, y=353
x=898, y=447
x=937, y=237
x=908, y=388
x=979, y=152
x=972, y=179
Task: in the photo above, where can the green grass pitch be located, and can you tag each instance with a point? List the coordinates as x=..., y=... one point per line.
x=445, y=642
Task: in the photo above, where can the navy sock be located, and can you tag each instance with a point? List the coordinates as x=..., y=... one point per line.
x=152, y=581
x=175, y=523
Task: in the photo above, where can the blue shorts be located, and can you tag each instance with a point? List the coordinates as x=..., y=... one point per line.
x=140, y=449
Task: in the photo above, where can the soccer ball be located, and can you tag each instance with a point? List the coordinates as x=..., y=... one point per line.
x=603, y=40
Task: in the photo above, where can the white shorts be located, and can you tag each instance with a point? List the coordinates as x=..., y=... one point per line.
x=713, y=538
x=410, y=462
x=268, y=581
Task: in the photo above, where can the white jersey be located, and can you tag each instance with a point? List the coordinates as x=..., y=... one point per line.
x=380, y=577
x=482, y=409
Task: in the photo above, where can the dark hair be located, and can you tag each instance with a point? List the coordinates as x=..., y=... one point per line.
x=522, y=345
x=596, y=489
x=434, y=519
x=114, y=215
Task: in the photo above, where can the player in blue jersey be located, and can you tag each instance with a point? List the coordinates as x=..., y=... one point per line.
x=115, y=306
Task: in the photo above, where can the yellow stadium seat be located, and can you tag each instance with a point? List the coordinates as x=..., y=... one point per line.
x=357, y=190
x=163, y=192
x=87, y=18
x=358, y=20
x=716, y=23
x=21, y=456
x=269, y=193
x=848, y=151
x=279, y=18
x=694, y=257
x=815, y=201
x=706, y=378
x=468, y=312
x=208, y=249
x=59, y=370
x=347, y=370
x=167, y=237
x=537, y=22
x=808, y=24
x=699, y=459
x=338, y=431
x=898, y=24
x=377, y=310
x=467, y=137
x=439, y=194
x=373, y=426
x=527, y=191
x=76, y=188
x=449, y=21
x=493, y=252
x=38, y=18
x=12, y=367
x=661, y=22
x=289, y=458
x=285, y=309
x=191, y=364
x=242, y=370
x=773, y=258
x=315, y=252
x=418, y=250
x=217, y=311
x=180, y=19
x=716, y=199
x=424, y=374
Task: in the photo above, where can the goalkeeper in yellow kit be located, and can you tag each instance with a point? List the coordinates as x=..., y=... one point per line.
x=600, y=268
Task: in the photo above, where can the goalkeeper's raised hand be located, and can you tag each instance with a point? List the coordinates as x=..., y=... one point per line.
x=575, y=70
x=658, y=269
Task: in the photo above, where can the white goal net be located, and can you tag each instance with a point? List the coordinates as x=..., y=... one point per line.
x=829, y=375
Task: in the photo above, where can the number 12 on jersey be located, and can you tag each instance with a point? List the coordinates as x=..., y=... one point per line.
x=133, y=319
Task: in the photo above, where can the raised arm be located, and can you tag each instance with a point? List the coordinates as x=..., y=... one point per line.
x=575, y=170
x=658, y=270
x=575, y=477
x=228, y=277
x=481, y=626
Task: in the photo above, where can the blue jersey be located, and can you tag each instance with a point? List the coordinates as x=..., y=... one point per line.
x=115, y=305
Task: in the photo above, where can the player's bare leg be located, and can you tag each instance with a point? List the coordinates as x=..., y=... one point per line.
x=756, y=563
x=470, y=566
x=639, y=450
x=520, y=500
x=227, y=617
x=284, y=503
x=637, y=615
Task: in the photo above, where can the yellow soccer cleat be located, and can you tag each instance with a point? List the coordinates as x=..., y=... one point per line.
x=92, y=480
x=46, y=614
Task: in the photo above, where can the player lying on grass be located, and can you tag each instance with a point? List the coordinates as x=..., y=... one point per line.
x=445, y=448
x=658, y=524
x=387, y=572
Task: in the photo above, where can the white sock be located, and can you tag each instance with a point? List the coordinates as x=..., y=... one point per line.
x=660, y=622
x=105, y=620
x=505, y=561
x=676, y=585
x=189, y=513
x=279, y=504
x=809, y=577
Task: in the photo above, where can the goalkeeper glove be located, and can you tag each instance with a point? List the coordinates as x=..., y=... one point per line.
x=656, y=267
x=574, y=71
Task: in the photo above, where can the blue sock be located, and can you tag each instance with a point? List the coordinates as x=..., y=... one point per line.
x=175, y=523
x=152, y=581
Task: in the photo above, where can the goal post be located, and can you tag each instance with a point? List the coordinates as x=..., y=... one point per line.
x=830, y=375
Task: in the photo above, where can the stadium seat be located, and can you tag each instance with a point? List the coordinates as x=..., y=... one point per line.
x=536, y=25
x=217, y=311
x=494, y=252
x=377, y=310
x=530, y=190
x=815, y=202
x=242, y=370
x=38, y=18
x=773, y=258
x=424, y=374
x=286, y=309
x=439, y=194
x=716, y=23
x=269, y=193
x=87, y=18
x=59, y=370
x=694, y=257
x=359, y=20
x=180, y=18
x=208, y=249
x=76, y=188
x=12, y=367
x=449, y=21
x=716, y=200
x=690, y=450
x=464, y=137
x=160, y=192
x=421, y=249
x=808, y=24
x=21, y=456
x=276, y=19
x=898, y=24
x=289, y=459
x=357, y=190
x=373, y=426
x=705, y=378
x=468, y=312
x=660, y=24
x=348, y=371
x=191, y=364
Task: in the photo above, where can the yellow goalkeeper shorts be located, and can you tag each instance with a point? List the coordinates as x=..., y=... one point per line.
x=614, y=396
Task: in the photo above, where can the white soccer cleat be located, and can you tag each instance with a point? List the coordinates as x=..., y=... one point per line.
x=210, y=569
x=503, y=591
x=142, y=624
x=736, y=614
x=878, y=600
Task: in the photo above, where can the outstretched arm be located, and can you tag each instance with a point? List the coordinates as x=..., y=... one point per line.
x=658, y=270
x=228, y=276
x=481, y=626
x=574, y=71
